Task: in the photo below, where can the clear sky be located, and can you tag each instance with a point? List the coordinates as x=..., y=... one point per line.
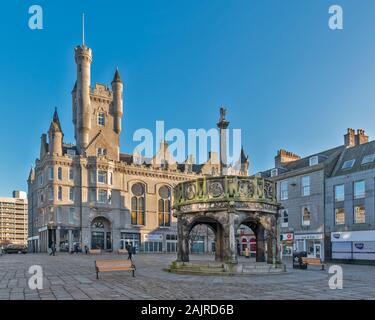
x=287, y=80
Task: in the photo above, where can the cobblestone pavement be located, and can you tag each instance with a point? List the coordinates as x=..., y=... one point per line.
x=68, y=277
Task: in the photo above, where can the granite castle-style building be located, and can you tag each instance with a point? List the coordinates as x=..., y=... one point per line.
x=91, y=194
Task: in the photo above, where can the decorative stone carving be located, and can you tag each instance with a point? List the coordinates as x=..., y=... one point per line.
x=190, y=191
x=245, y=188
x=215, y=188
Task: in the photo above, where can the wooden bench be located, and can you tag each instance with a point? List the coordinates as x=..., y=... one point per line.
x=122, y=251
x=95, y=251
x=313, y=262
x=113, y=265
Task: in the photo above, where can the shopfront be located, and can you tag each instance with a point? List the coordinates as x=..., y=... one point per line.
x=153, y=242
x=353, y=245
x=132, y=238
x=287, y=241
x=312, y=243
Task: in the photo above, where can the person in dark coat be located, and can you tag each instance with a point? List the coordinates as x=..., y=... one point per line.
x=53, y=249
x=130, y=251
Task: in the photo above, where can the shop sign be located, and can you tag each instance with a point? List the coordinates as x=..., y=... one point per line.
x=309, y=236
x=153, y=237
x=287, y=237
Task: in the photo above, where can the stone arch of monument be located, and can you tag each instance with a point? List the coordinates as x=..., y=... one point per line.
x=224, y=203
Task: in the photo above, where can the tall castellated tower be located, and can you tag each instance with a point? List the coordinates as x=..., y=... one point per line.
x=97, y=111
x=82, y=116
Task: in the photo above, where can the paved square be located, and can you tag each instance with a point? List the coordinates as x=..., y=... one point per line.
x=68, y=277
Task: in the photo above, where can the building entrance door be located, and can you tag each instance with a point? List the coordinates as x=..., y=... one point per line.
x=317, y=249
x=97, y=240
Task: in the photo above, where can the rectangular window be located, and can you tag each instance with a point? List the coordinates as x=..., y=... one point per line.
x=92, y=176
x=59, y=193
x=71, y=194
x=50, y=173
x=284, y=190
x=59, y=173
x=101, y=119
x=101, y=152
x=339, y=216
x=273, y=172
x=41, y=179
x=359, y=214
x=306, y=216
x=50, y=193
x=339, y=193
x=305, y=183
x=359, y=189
x=72, y=213
x=313, y=160
x=102, y=176
x=102, y=196
x=92, y=195
x=59, y=215
x=285, y=218
x=71, y=174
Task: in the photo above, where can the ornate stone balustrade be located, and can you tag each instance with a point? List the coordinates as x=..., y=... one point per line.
x=225, y=189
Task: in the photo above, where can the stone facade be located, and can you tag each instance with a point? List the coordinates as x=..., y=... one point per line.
x=89, y=193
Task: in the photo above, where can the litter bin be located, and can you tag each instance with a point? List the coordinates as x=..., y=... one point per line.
x=297, y=260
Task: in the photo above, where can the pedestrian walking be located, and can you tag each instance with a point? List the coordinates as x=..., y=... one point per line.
x=130, y=251
x=53, y=249
x=86, y=249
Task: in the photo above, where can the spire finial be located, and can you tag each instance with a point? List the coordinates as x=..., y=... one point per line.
x=83, y=29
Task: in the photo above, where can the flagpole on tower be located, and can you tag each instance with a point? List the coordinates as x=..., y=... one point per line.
x=83, y=29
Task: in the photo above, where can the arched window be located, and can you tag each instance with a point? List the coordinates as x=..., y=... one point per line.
x=59, y=193
x=138, y=204
x=164, y=207
x=59, y=173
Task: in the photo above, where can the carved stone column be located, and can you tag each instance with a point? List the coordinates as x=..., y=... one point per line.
x=260, y=244
x=183, y=241
x=270, y=247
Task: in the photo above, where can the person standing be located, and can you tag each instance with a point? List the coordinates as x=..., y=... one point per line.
x=86, y=249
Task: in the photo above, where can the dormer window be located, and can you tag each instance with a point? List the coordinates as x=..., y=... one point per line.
x=348, y=164
x=101, y=119
x=313, y=160
x=274, y=172
x=368, y=159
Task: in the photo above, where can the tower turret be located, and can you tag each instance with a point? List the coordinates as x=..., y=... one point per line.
x=55, y=135
x=43, y=146
x=83, y=58
x=117, y=88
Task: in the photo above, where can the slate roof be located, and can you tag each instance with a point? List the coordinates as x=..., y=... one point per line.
x=358, y=153
x=328, y=158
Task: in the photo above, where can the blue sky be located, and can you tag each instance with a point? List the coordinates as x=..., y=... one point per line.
x=287, y=80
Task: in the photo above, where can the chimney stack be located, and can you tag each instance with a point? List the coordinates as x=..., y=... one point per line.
x=284, y=157
x=361, y=137
x=351, y=138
